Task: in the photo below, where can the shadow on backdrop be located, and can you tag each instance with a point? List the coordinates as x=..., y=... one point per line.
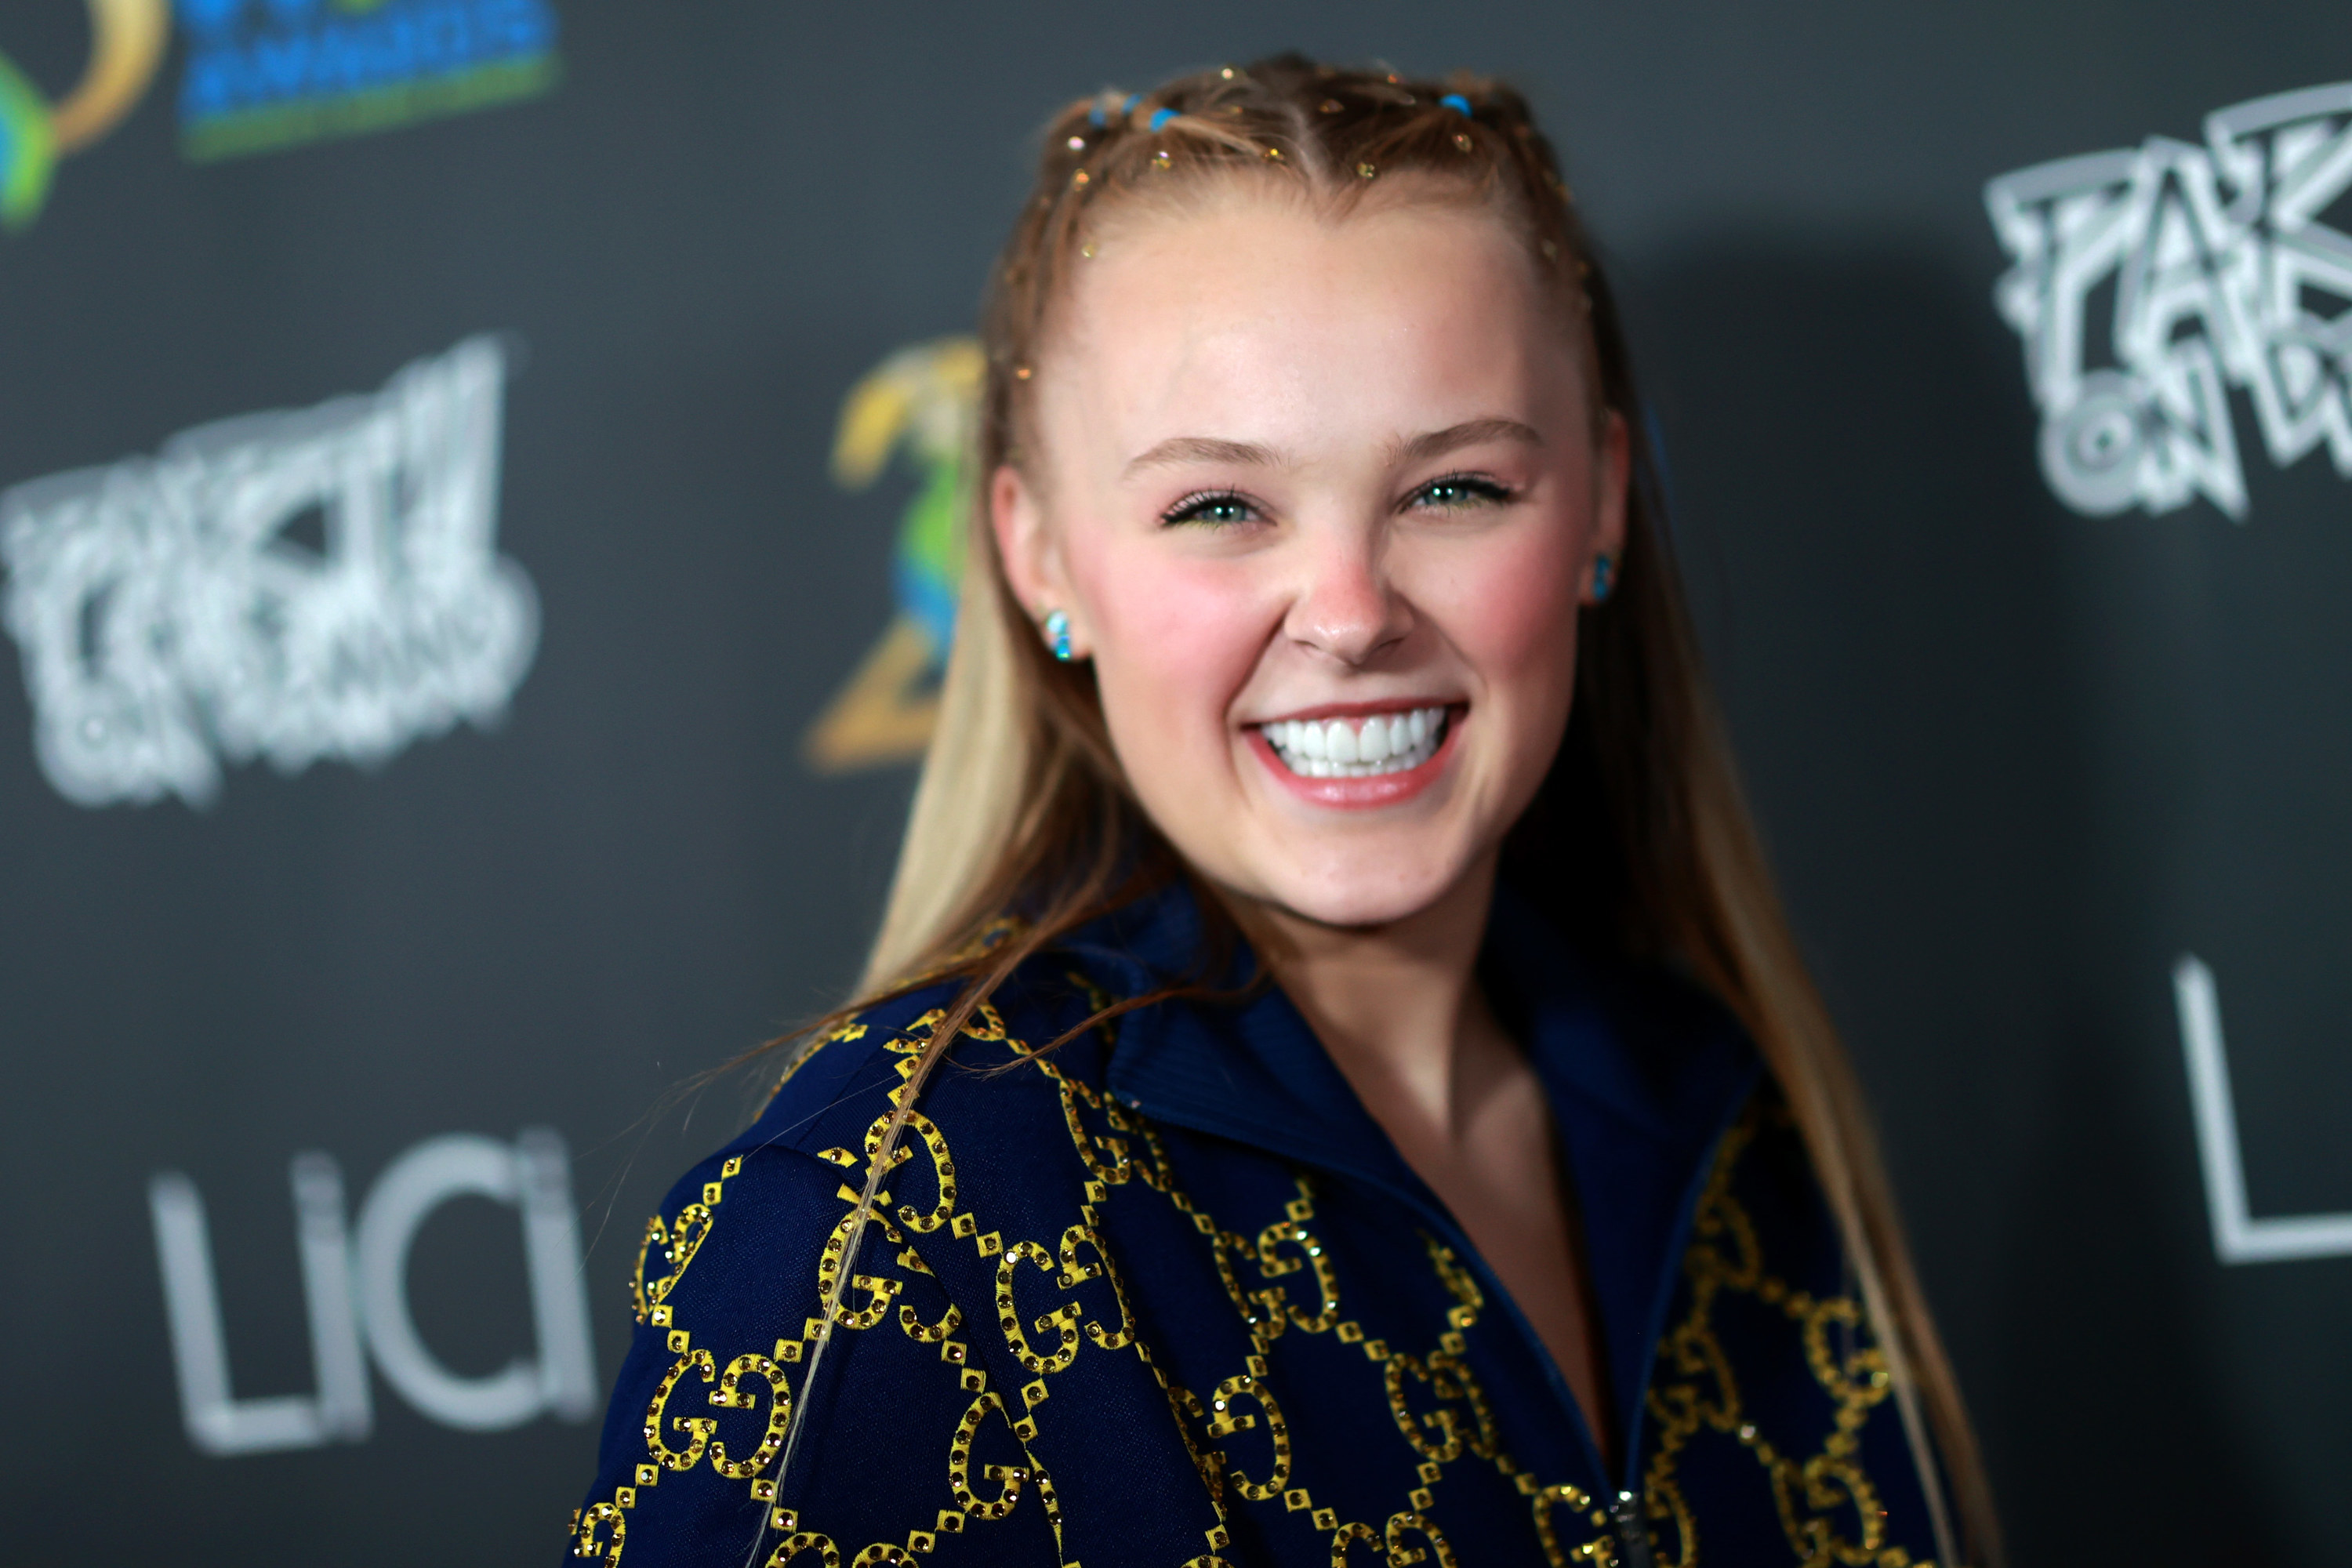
x=1885, y=594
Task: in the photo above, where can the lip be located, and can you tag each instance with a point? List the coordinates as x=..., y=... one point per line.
x=1364, y=794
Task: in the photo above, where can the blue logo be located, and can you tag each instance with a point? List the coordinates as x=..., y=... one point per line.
x=267, y=74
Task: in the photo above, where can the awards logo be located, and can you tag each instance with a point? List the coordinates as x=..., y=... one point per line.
x=922, y=401
x=2152, y=281
x=266, y=74
x=323, y=584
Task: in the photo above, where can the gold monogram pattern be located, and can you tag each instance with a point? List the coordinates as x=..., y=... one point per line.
x=1281, y=1284
x=1829, y=1509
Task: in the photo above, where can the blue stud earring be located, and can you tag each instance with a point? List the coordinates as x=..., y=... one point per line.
x=1604, y=578
x=1057, y=634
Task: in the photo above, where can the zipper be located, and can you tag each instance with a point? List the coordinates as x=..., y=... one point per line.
x=1633, y=1534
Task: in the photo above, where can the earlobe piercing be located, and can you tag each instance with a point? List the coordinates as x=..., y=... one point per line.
x=1057, y=634
x=1604, y=578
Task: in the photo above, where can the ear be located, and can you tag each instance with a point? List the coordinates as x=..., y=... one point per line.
x=1612, y=475
x=1028, y=548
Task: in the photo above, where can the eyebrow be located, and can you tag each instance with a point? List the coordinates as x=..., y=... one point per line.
x=1420, y=449
x=1204, y=449
x=1470, y=433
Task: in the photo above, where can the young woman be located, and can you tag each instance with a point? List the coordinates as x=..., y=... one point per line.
x=1334, y=1083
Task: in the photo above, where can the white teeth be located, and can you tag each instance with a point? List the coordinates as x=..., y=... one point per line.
x=1347, y=748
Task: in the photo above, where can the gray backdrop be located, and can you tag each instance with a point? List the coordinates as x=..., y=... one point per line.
x=506, y=838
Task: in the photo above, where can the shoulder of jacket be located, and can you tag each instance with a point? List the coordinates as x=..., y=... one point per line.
x=847, y=1079
x=839, y=1063
x=788, y=1178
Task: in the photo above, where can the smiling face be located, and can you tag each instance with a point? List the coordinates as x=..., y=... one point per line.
x=1320, y=496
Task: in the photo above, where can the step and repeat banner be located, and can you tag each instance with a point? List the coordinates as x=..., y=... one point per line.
x=479, y=484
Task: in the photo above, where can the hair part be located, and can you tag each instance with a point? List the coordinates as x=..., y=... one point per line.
x=1639, y=842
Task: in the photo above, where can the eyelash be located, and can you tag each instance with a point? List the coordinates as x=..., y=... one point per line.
x=1190, y=509
x=1480, y=490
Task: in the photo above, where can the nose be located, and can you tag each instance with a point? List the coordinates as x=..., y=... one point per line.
x=1346, y=608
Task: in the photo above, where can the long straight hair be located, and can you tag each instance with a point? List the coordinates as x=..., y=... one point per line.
x=1638, y=842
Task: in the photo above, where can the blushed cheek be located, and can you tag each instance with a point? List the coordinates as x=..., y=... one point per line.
x=1514, y=618
x=1175, y=641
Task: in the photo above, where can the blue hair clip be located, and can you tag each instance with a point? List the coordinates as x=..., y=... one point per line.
x=1160, y=117
x=1095, y=116
x=1457, y=103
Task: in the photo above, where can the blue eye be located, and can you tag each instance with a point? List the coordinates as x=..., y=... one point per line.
x=1220, y=508
x=1459, y=492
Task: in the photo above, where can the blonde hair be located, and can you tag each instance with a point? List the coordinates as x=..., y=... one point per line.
x=1644, y=842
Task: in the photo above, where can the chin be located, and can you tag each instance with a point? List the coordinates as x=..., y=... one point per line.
x=1357, y=900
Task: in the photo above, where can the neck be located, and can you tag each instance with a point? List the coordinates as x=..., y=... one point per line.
x=1398, y=1005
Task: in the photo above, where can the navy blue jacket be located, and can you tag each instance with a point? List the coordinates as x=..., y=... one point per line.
x=1169, y=1296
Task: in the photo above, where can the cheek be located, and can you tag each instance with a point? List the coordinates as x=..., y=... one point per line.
x=1175, y=640
x=1511, y=610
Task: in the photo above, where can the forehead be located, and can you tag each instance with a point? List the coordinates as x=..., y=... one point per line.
x=1255, y=306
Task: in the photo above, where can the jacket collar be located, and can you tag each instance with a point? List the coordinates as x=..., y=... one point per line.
x=1645, y=1074
x=1642, y=1073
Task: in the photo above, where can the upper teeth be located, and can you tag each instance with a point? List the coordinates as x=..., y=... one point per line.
x=1358, y=748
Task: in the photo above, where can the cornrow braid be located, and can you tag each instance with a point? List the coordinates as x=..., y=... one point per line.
x=1334, y=135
